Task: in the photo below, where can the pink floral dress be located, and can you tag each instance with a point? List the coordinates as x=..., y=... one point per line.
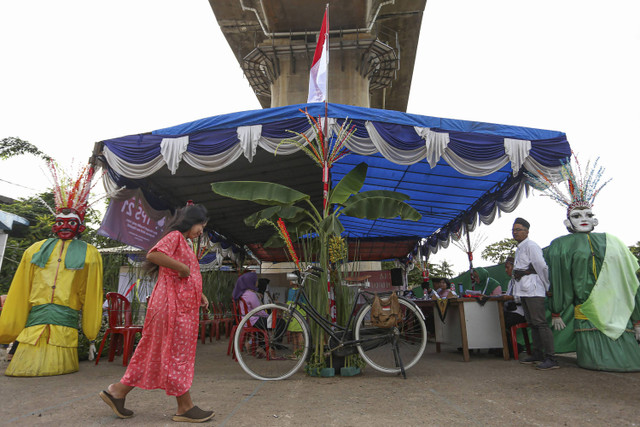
x=166, y=354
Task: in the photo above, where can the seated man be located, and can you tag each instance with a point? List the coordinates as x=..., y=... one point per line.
x=513, y=312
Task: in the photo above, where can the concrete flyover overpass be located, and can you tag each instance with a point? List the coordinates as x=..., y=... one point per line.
x=372, y=48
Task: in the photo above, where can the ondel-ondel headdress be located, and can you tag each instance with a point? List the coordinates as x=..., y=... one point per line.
x=580, y=186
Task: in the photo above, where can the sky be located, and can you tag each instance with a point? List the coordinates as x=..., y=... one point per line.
x=76, y=72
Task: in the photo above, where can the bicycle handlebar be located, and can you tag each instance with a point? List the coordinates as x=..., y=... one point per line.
x=313, y=269
x=298, y=275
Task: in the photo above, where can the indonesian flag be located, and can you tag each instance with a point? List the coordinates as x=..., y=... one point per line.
x=318, y=73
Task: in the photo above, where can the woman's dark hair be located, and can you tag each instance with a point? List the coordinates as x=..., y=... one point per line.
x=262, y=284
x=186, y=218
x=182, y=221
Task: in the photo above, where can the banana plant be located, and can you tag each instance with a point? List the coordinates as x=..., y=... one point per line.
x=346, y=199
x=322, y=229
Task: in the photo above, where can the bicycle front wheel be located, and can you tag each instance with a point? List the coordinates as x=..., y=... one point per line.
x=377, y=348
x=271, y=348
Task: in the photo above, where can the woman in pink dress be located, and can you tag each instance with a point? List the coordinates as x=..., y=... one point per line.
x=165, y=355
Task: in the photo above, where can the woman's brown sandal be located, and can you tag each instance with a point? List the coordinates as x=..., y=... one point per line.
x=116, y=404
x=194, y=415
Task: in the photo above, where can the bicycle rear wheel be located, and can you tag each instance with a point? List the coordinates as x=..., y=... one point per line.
x=267, y=350
x=410, y=336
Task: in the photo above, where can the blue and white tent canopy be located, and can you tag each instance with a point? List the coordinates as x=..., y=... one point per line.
x=454, y=171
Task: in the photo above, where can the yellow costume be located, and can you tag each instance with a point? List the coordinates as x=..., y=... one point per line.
x=44, y=303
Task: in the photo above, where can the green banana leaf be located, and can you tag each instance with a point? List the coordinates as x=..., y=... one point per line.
x=275, y=241
x=296, y=230
x=289, y=213
x=255, y=217
x=377, y=193
x=350, y=184
x=381, y=207
x=263, y=193
x=331, y=225
x=301, y=228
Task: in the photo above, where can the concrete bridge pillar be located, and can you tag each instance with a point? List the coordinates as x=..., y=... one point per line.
x=346, y=84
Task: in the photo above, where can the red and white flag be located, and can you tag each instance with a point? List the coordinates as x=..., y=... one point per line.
x=318, y=74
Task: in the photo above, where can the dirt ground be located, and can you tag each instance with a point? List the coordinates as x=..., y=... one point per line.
x=440, y=390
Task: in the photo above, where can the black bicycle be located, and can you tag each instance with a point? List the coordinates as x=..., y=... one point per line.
x=277, y=348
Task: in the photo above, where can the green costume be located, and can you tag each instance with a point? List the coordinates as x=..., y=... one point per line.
x=595, y=290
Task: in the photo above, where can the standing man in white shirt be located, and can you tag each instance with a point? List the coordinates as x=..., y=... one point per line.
x=532, y=283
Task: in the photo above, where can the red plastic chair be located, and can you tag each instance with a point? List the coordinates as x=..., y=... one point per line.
x=247, y=331
x=252, y=334
x=217, y=316
x=119, y=314
x=226, y=321
x=236, y=320
x=514, y=341
x=206, y=322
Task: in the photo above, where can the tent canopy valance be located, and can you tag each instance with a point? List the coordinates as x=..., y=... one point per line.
x=454, y=171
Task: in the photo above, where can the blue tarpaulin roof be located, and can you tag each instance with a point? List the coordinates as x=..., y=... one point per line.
x=454, y=171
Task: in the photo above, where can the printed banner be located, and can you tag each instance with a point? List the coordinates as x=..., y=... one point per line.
x=130, y=220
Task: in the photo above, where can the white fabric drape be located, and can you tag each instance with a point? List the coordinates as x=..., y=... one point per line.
x=501, y=206
x=215, y=162
x=401, y=157
x=172, y=150
x=271, y=144
x=249, y=137
x=132, y=170
x=473, y=167
x=362, y=146
x=435, y=144
x=110, y=187
x=517, y=150
x=551, y=173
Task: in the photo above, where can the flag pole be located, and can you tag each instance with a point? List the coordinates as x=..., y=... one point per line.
x=325, y=172
x=332, y=301
x=318, y=92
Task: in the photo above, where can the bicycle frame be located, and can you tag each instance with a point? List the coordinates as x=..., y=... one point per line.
x=405, y=339
x=331, y=327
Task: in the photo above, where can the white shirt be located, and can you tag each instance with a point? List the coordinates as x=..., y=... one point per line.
x=532, y=285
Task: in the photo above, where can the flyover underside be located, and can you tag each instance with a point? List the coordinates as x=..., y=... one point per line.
x=249, y=24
